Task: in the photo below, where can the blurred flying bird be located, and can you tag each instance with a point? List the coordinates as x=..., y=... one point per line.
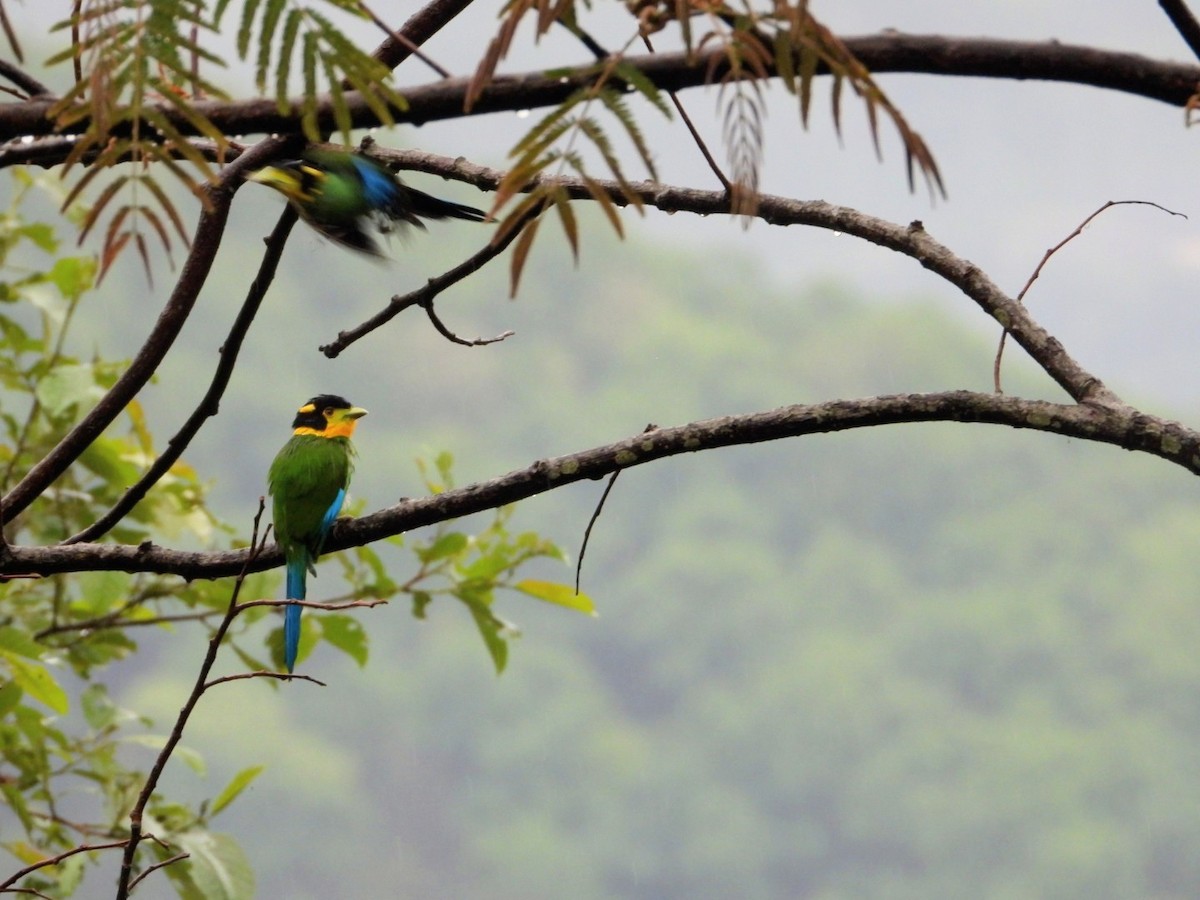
x=339, y=193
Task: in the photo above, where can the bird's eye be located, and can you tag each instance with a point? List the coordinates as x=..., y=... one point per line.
x=327, y=412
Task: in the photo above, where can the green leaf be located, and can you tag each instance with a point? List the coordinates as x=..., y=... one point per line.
x=73, y=275
x=640, y=82
x=41, y=234
x=553, y=592
x=449, y=544
x=489, y=565
x=100, y=592
x=67, y=385
x=492, y=629
x=347, y=634
x=37, y=682
x=98, y=709
x=421, y=599
x=219, y=867
x=15, y=800
x=69, y=873
x=10, y=696
x=17, y=641
x=239, y=783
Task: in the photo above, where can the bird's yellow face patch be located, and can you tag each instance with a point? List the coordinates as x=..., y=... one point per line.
x=288, y=182
x=339, y=422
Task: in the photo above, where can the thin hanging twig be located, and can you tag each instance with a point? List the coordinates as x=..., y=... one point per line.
x=1046, y=258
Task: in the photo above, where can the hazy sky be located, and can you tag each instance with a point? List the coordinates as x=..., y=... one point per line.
x=1024, y=163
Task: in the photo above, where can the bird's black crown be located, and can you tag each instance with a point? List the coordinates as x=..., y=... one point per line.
x=312, y=413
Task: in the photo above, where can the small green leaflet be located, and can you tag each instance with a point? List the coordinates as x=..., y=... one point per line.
x=553, y=592
x=35, y=681
x=239, y=783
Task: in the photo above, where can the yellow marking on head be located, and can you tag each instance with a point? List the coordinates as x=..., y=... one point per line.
x=283, y=180
x=307, y=408
x=338, y=422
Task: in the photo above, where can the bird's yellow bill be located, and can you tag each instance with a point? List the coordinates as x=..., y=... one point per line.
x=342, y=422
x=282, y=180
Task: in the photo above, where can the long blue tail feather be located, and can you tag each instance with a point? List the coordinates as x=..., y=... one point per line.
x=299, y=564
x=296, y=586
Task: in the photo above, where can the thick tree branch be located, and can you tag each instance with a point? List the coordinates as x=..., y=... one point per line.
x=1129, y=73
x=1122, y=426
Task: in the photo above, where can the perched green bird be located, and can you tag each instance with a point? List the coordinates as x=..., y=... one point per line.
x=308, y=482
x=340, y=193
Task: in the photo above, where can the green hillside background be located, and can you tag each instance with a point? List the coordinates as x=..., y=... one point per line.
x=927, y=661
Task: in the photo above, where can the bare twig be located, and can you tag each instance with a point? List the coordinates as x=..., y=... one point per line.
x=424, y=295
x=449, y=335
x=10, y=34
x=327, y=605
x=1046, y=258
x=911, y=240
x=124, y=883
x=592, y=45
x=55, y=860
x=420, y=27
x=587, y=532
x=278, y=676
x=115, y=620
x=403, y=41
x=1184, y=21
x=23, y=79
x=211, y=403
x=30, y=891
x=158, y=865
x=695, y=133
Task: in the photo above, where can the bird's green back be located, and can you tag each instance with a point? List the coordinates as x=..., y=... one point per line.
x=342, y=193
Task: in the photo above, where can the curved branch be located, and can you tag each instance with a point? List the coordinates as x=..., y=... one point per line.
x=7, y=885
x=420, y=27
x=424, y=295
x=911, y=240
x=206, y=242
x=23, y=80
x=1122, y=426
x=1128, y=73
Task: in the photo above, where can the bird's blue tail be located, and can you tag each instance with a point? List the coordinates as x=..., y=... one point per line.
x=296, y=577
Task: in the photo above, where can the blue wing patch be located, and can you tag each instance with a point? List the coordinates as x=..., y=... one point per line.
x=327, y=522
x=379, y=186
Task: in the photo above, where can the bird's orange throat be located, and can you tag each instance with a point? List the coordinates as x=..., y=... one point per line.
x=332, y=430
